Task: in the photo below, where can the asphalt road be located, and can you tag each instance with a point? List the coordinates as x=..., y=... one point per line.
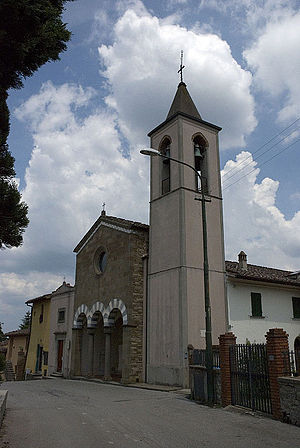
x=72, y=414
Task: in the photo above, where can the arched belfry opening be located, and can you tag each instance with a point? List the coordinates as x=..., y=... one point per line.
x=200, y=161
x=164, y=148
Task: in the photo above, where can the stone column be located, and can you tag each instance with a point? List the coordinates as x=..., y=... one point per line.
x=75, y=352
x=225, y=341
x=90, y=333
x=107, y=332
x=126, y=370
x=277, y=344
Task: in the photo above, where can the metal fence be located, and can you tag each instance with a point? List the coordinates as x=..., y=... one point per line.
x=291, y=363
x=199, y=358
x=250, y=385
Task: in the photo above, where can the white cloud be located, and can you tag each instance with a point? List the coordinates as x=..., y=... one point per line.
x=254, y=223
x=15, y=289
x=143, y=77
x=75, y=166
x=275, y=62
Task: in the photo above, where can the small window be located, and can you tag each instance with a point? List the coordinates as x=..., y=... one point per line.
x=42, y=314
x=61, y=315
x=102, y=261
x=256, y=308
x=296, y=307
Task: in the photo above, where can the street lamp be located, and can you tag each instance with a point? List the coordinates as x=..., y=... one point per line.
x=208, y=338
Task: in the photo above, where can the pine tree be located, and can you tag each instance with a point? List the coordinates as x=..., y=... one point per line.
x=13, y=212
x=25, y=321
x=31, y=34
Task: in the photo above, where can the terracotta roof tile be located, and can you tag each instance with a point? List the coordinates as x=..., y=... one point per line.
x=24, y=332
x=261, y=273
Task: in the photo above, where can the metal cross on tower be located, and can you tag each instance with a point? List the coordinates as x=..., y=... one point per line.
x=181, y=66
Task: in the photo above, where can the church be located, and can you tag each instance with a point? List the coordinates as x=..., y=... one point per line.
x=139, y=290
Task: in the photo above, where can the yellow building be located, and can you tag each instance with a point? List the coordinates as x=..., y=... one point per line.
x=37, y=357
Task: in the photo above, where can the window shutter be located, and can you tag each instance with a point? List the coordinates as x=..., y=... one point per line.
x=296, y=307
x=256, y=304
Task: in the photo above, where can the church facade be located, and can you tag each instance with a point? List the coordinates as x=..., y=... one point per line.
x=108, y=329
x=139, y=290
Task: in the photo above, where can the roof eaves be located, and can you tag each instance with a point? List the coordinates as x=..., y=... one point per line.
x=198, y=120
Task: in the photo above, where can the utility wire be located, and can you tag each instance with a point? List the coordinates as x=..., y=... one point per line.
x=258, y=166
x=247, y=164
x=265, y=144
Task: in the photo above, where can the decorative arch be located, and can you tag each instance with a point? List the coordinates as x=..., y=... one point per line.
x=120, y=305
x=199, y=134
x=166, y=139
x=82, y=309
x=97, y=307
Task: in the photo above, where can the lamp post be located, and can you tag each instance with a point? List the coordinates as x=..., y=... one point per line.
x=208, y=337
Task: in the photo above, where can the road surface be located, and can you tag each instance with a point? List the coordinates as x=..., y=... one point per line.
x=71, y=414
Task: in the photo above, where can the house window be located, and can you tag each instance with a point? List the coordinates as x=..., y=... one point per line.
x=256, y=308
x=296, y=307
x=61, y=315
x=165, y=172
x=42, y=314
x=200, y=156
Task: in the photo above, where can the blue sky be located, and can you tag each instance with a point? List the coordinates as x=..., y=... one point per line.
x=78, y=124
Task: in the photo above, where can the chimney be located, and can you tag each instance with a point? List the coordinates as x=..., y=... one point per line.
x=242, y=261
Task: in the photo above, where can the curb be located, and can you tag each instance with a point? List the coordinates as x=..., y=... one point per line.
x=3, y=398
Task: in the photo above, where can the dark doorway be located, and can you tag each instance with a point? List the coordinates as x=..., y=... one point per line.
x=60, y=349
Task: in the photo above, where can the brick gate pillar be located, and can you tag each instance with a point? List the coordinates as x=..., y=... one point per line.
x=277, y=343
x=225, y=341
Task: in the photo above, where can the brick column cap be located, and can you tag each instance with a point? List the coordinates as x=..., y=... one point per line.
x=276, y=333
x=229, y=335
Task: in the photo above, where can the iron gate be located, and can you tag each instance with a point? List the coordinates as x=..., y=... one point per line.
x=250, y=385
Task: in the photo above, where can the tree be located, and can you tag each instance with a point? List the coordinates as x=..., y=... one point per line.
x=31, y=34
x=25, y=321
x=13, y=212
x=2, y=335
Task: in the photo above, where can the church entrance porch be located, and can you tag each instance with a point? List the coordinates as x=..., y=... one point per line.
x=98, y=342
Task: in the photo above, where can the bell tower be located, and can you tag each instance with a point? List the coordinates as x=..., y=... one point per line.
x=176, y=305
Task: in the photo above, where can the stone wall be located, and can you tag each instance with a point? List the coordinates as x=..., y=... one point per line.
x=290, y=399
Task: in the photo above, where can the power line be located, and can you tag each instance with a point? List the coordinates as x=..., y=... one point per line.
x=247, y=164
x=258, y=166
x=265, y=144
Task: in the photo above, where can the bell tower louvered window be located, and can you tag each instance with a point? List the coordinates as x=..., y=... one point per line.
x=200, y=156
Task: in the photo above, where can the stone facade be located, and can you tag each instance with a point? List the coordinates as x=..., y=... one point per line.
x=108, y=320
x=290, y=399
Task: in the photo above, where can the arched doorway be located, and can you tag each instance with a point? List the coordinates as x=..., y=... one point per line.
x=98, y=345
x=116, y=358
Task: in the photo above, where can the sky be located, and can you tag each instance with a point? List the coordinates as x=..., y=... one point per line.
x=78, y=124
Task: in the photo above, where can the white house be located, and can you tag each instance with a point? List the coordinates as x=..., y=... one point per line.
x=260, y=298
